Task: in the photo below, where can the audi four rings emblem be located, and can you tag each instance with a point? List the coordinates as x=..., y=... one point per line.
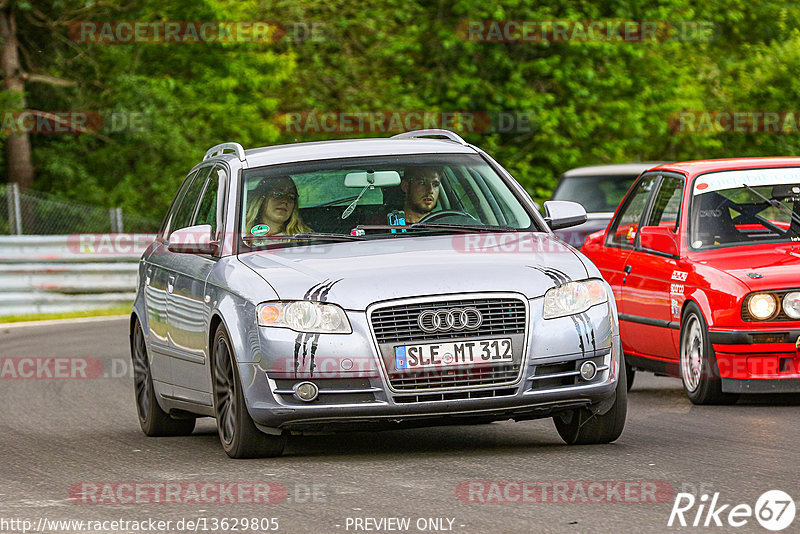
x=451, y=319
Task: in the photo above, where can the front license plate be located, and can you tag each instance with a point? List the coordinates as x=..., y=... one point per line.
x=456, y=353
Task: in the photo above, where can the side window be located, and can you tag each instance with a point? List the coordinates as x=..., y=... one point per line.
x=207, y=213
x=667, y=204
x=167, y=226
x=624, y=228
x=185, y=209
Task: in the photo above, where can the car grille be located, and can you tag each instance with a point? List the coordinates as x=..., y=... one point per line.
x=453, y=378
x=501, y=317
x=399, y=323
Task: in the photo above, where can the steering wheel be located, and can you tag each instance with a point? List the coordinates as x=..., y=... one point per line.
x=436, y=215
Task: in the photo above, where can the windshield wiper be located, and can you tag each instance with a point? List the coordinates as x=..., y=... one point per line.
x=305, y=236
x=465, y=227
x=775, y=203
x=439, y=226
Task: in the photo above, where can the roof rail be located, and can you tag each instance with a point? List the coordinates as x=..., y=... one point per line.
x=431, y=132
x=220, y=149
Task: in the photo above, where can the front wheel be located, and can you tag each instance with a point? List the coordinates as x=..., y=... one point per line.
x=238, y=434
x=153, y=420
x=698, y=363
x=581, y=426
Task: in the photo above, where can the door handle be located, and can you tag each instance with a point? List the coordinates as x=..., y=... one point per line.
x=627, y=270
x=170, y=283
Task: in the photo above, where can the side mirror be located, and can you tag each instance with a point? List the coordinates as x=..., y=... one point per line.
x=659, y=239
x=563, y=214
x=193, y=240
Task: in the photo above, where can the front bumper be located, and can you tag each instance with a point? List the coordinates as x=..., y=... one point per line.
x=548, y=386
x=764, y=385
x=746, y=357
x=357, y=381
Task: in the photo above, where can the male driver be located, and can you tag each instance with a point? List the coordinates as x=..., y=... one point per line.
x=421, y=187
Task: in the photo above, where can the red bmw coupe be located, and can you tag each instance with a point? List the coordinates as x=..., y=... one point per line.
x=704, y=261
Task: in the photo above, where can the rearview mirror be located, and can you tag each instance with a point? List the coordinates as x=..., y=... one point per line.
x=563, y=214
x=659, y=239
x=193, y=240
x=376, y=179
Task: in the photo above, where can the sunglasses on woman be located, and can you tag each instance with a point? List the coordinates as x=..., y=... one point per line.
x=277, y=195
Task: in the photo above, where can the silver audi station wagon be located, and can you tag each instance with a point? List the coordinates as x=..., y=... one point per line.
x=368, y=284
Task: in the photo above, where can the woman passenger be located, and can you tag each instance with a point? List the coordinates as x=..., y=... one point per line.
x=275, y=210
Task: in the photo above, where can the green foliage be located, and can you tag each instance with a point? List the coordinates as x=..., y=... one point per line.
x=591, y=102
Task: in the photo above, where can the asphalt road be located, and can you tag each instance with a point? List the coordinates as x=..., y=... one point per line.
x=59, y=437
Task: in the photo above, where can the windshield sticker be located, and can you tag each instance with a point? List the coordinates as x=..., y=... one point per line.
x=259, y=229
x=754, y=178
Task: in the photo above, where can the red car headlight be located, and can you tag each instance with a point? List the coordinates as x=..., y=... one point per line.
x=762, y=306
x=791, y=304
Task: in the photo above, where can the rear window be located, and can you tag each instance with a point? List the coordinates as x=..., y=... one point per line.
x=597, y=194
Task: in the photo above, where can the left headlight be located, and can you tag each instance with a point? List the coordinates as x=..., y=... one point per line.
x=762, y=306
x=573, y=297
x=304, y=316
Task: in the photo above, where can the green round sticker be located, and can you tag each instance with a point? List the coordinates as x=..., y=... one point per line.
x=259, y=229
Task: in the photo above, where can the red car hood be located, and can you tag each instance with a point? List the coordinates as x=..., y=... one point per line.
x=779, y=267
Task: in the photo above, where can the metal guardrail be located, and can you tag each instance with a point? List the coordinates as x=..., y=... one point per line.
x=48, y=274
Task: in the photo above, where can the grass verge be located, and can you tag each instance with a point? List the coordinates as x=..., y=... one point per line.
x=103, y=312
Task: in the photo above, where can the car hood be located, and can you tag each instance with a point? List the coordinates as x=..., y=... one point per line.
x=356, y=274
x=777, y=267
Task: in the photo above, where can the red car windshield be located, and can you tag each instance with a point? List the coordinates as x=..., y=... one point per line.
x=747, y=206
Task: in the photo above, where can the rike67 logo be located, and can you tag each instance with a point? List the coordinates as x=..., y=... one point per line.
x=774, y=510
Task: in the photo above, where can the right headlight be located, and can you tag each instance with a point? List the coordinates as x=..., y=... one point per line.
x=791, y=304
x=762, y=306
x=304, y=316
x=573, y=297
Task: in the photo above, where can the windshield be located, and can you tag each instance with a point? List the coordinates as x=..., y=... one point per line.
x=745, y=207
x=376, y=198
x=597, y=194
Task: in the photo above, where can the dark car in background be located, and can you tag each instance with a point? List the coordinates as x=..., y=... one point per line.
x=599, y=189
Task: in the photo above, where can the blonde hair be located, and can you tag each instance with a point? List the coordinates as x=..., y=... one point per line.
x=293, y=225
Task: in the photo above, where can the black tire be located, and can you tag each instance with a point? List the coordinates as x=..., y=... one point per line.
x=582, y=427
x=153, y=420
x=239, y=436
x=630, y=375
x=698, y=363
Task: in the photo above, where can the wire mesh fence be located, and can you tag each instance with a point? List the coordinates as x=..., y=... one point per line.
x=27, y=212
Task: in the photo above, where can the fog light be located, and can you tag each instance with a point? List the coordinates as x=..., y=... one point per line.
x=306, y=391
x=588, y=370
